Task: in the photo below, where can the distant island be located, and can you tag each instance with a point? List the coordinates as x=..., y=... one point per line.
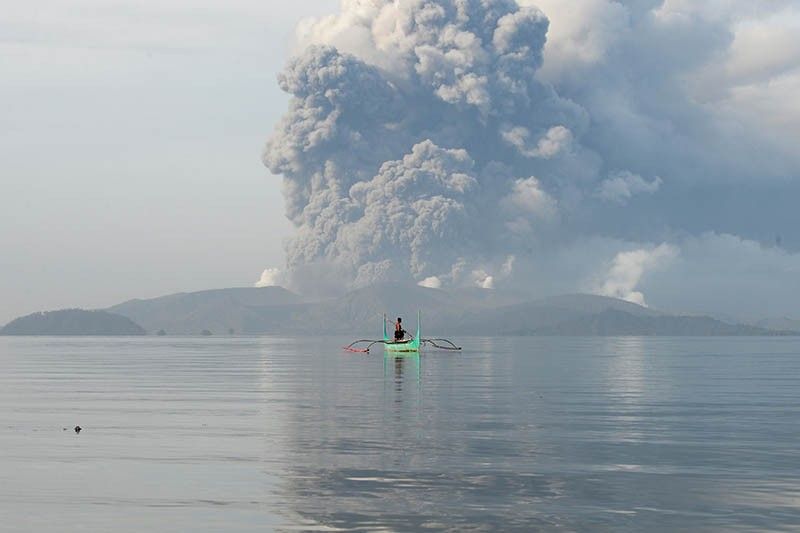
x=73, y=322
x=459, y=311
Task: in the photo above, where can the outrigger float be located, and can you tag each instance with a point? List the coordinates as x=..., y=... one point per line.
x=411, y=345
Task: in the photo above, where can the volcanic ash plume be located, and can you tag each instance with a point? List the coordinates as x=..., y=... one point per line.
x=476, y=142
x=418, y=144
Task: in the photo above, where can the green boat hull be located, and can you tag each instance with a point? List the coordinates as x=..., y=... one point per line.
x=402, y=347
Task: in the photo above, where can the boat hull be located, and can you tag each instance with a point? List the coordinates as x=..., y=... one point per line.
x=402, y=347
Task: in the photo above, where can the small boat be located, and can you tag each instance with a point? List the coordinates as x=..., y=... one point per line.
x=405, y=345
x=410, y=345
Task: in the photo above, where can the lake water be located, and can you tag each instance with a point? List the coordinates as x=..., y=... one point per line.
x=261, y=434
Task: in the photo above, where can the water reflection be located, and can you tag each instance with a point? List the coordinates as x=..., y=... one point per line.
x=402, y=369
x=626, y=366
x=452, y=457
x=517, y=434
x=513, y=434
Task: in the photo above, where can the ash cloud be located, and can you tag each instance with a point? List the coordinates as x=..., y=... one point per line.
x=473, y=142
x=427, y=150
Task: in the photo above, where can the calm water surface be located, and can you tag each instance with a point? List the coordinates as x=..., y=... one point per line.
x=261, y=434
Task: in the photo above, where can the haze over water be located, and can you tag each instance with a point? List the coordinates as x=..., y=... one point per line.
x=256, y=434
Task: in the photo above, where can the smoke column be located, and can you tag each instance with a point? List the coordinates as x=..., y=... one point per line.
x=426, y=141
x=434, y=154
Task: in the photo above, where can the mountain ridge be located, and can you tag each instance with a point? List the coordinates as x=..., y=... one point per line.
x=461, y=311
x=72, y=322
x=464, y=311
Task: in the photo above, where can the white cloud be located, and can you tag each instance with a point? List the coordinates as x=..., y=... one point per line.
x=553, y=142
x=528, y=198
x=271, y=277
x=623, y=186
x=628, y=268
x=432, y=282
x=581, y=33
x=758, y=79
x=483, y=280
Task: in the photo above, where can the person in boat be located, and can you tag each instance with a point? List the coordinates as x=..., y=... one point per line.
x=399, y=332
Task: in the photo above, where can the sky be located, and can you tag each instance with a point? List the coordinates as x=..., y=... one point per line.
x=642, y=149
x=132, y=134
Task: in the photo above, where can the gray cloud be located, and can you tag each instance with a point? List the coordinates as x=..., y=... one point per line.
x=432, y=140
x=405, y=172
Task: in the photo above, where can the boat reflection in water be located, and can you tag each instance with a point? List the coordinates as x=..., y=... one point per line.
x=394, y=453
x=404, y=367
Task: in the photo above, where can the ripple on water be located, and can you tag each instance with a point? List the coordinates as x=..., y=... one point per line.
x=248, y=434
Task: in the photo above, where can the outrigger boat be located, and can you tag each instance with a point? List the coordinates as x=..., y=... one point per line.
x=411, y=345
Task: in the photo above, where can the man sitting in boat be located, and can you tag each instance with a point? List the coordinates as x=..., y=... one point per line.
x=399, y=332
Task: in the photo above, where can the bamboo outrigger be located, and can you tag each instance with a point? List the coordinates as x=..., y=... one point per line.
x=411, y=345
